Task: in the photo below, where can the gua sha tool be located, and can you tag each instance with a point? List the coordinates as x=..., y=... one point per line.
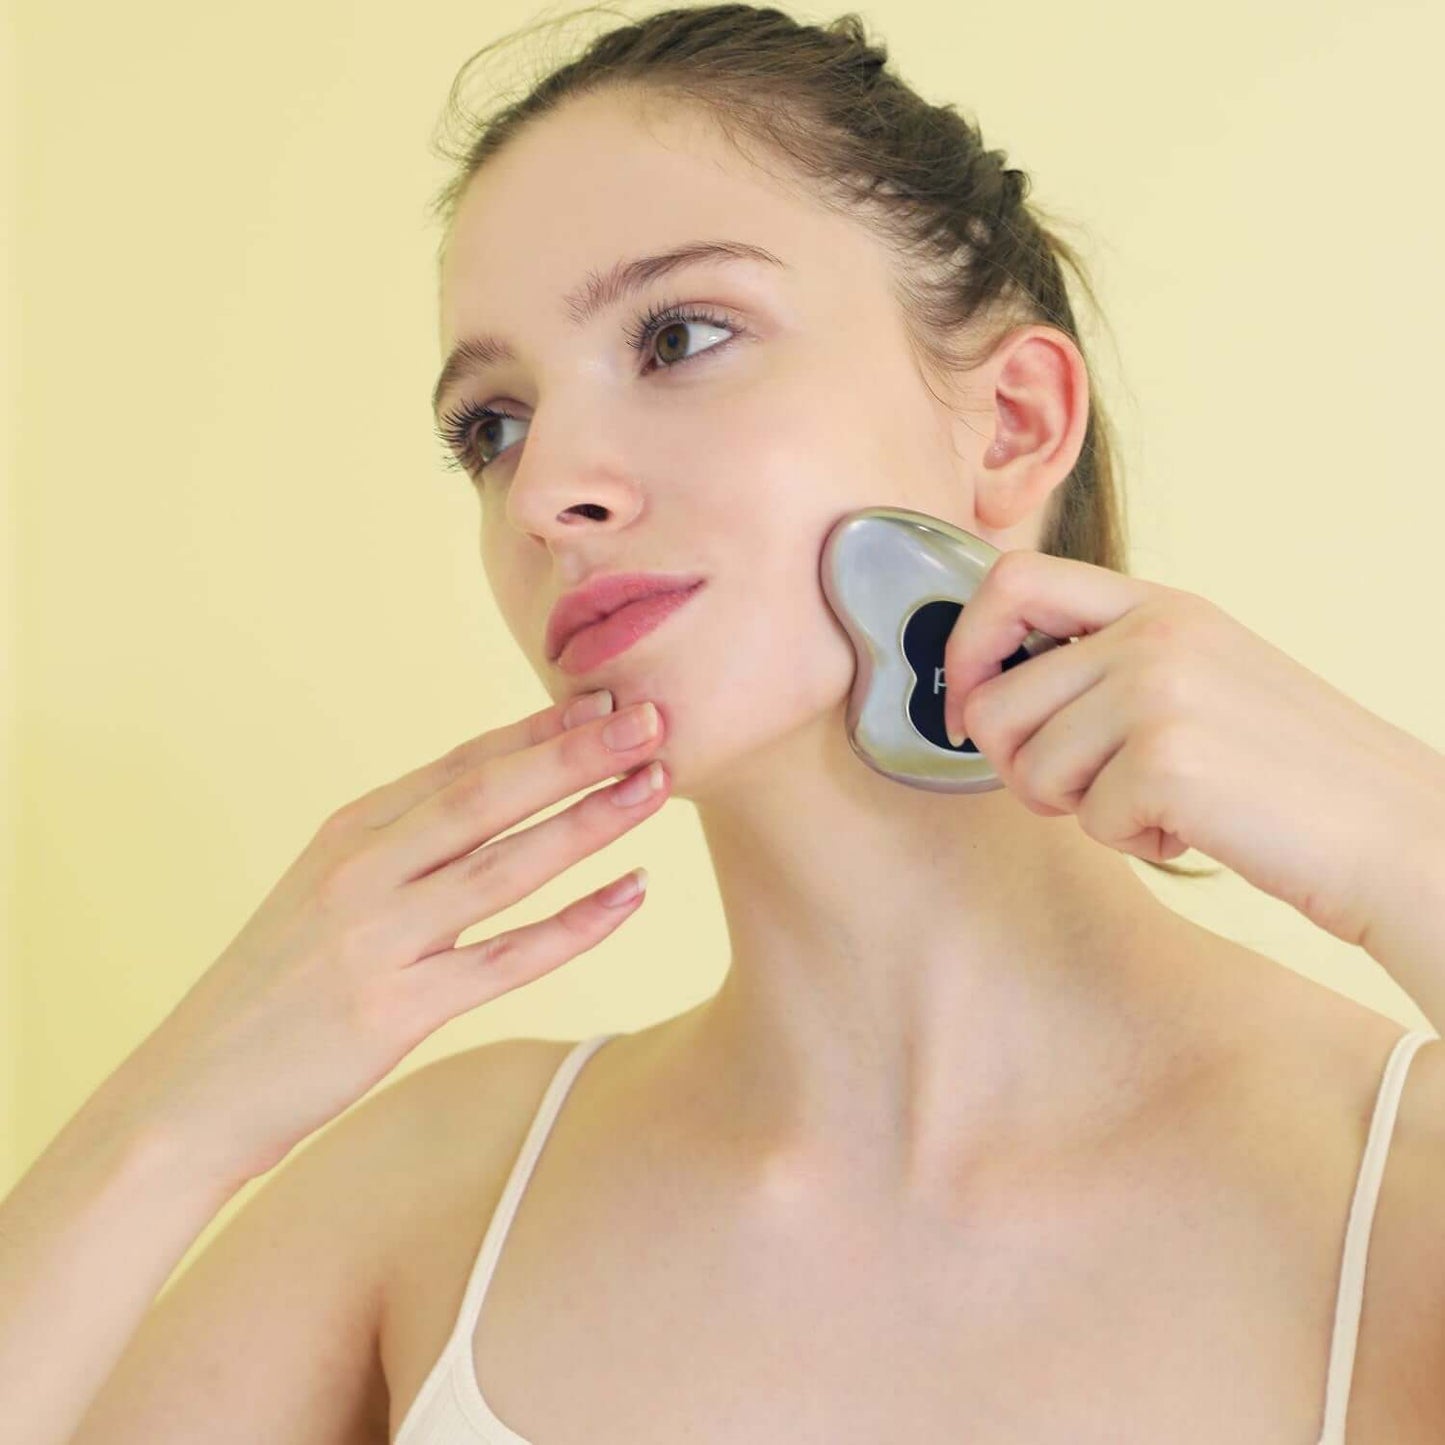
x=897, y=581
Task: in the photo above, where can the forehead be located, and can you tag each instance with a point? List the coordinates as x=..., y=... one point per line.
x=604, y=178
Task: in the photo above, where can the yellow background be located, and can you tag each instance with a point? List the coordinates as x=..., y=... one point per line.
x=241, y=589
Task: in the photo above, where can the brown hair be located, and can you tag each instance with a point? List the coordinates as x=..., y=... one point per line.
x=974, y=259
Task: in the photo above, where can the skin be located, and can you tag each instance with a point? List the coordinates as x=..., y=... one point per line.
x=925, y=991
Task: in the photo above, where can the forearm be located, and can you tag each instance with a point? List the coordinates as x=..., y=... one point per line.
x=1407, y=940
x=88, y=1238
x=1406, y=930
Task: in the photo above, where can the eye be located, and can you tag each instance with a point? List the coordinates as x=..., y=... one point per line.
x=464, y=432
x=671, y=318
x=461, y=449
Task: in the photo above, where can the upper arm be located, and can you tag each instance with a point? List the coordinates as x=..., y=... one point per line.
x=271, y=1334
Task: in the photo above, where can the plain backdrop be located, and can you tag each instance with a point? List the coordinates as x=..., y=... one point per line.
x=240, y=588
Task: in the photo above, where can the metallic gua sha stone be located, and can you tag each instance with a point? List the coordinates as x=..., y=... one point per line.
x=897, y=581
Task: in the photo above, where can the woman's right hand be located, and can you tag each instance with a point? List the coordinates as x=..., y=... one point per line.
x=349, y=961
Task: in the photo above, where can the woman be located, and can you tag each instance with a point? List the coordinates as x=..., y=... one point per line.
x=977, y=1140
x=977, y=1135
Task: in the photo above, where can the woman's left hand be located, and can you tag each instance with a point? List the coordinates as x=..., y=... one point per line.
x=1167, y=725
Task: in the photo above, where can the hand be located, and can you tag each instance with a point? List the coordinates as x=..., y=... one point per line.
x=1167, y=725
x=348, y=963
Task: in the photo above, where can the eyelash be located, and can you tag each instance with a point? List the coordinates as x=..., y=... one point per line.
x=455, y=428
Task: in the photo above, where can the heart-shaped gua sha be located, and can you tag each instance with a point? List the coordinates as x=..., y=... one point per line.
x=897, y=581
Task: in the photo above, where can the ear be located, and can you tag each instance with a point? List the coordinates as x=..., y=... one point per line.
x=1034, y=396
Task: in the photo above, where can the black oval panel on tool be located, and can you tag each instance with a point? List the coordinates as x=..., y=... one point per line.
x=925, y=636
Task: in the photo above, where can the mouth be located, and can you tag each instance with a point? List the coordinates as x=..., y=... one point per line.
x=610, y=636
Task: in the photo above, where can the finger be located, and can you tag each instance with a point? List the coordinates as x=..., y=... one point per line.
x=1003, y=714
x=389, y=802
x=1026, y=591
x=449, y=983
x=1115, y=812
x=433, y=910
x=498, y=793
x=1056, y=768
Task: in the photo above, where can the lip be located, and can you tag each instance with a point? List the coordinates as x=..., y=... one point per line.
x=605, y=595
x=600, y=641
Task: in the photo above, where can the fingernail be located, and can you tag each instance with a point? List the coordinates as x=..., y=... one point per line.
x=631, y=727
x=639, y=785
x=587, y=707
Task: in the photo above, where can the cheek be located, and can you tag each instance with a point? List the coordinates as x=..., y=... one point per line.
x=515, y=600
x=800, y=458
x=769, y=663
x=800, y=464
x=769, y=652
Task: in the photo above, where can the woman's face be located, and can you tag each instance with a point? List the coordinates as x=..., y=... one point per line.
x=724, y=447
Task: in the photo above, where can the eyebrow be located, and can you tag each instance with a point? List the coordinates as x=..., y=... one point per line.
x=597, y=292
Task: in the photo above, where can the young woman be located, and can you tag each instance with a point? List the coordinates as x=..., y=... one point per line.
x=977, y=1140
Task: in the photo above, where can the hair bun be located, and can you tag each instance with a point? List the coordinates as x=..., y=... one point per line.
x=1015, y=186
x=872, y=60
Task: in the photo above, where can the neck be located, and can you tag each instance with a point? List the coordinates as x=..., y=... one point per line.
x=923, y=984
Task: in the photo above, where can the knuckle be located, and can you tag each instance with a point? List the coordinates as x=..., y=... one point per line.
x=1165, y=748
x=1160, y=685
x=362, y=940
x=1176, y=618
x=464, y=798
x=456, y=763
x=1010, y=571
x=343, y=821
x=570, y=759
x=499, y=950
x=1194, y=606
x=338, y=884
x=483, y=867
x=1159, y=626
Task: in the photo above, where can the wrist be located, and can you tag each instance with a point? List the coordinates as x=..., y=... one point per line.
x=144, y=1137
x=1405, y=933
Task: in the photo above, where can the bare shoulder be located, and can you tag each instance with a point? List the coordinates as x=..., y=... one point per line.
x=1301, y=1102
x=440, y=1104
x=432, y=1136
x=444, y=1131
x=292, y=1290
x=455, y=1128
x=411, y=1148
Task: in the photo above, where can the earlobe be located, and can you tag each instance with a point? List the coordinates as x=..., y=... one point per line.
x=1010, y=487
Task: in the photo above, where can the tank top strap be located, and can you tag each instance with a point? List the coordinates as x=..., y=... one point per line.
x=501, y=1220
x=1357, y=1233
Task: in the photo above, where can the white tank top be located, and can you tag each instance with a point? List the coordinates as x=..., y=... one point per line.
x=450, y=1409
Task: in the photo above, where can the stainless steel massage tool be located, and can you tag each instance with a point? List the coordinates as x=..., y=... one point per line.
x=897, y=581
